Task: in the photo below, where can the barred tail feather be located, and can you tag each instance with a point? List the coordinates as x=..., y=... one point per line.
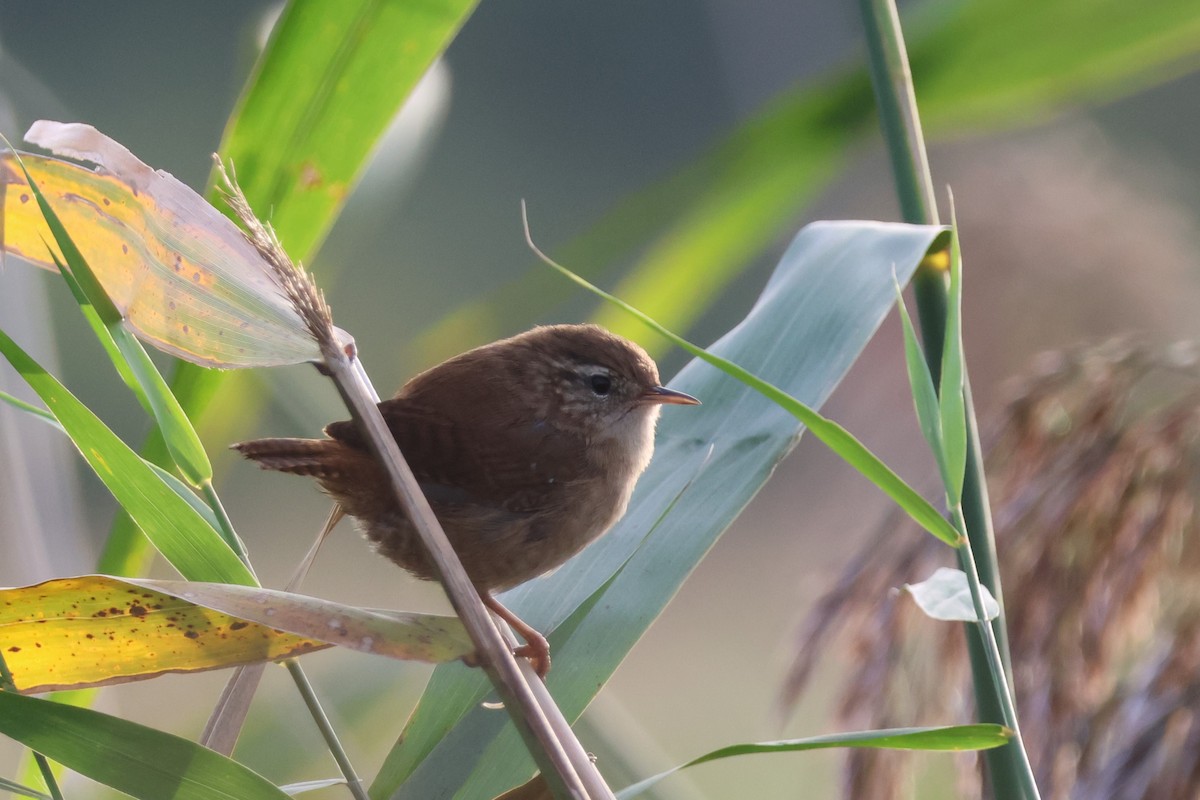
x=319, y=458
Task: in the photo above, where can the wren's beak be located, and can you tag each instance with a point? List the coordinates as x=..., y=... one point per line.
x=661, y=394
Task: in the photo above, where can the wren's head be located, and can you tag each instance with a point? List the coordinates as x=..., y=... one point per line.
x=596, y=383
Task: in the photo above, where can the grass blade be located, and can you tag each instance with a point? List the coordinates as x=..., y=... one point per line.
x=952, y=410
x=953, y=739
x=139, y=761
x=175, y=528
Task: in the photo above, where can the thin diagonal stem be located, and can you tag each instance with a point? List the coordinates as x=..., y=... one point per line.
x=330, y=735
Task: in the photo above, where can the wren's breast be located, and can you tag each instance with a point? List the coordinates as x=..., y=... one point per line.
x=503, y=548
x=596, y=503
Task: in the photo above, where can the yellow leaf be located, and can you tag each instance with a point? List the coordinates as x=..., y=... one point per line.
x=95, y=630
x=182, y=275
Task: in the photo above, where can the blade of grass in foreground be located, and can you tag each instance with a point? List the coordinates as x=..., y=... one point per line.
x=177, y=530
x=139, y=761
x=946, y=739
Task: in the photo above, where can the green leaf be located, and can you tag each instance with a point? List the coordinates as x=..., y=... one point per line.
x=831, y=434
x=981, y=65
x=952, y=403
x=946, y=596
x=103, y=335
x=132, y=362
x=329, y=83
x=996, y=64
x=22, y=791
x=177, y=530
x=955, y=738
x=827, y=297
x=921, y=384
x=779, y=163
x=29, y=408
x=176, y=485
x=699, y=228
x=309, y=786
x=139, y=761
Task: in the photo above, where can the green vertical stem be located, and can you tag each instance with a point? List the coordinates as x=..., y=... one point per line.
x=892, y=81
x=303, y=685
x=353, y=782
x=226, y=525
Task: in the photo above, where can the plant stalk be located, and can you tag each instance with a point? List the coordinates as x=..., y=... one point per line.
x=226, y=525
x=561, y=773
x=330, y=735
x=900, y=120
x=996, y=666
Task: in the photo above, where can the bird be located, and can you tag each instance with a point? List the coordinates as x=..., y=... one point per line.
x=527, y=448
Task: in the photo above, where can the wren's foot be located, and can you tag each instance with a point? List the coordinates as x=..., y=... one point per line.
x=536, y=648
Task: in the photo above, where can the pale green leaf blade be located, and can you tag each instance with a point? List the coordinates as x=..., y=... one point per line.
x=996, y=64
x=946, y=596
x=829, y=294
x=982, y=65
x=139, y=761
x=329, y=83
x=177, y=486
x=22, y=791
x=29, y=408
x=126, y=353
x=177, y=530
x=393, y=634
x=831, y=434
x=294, y=789
x=952, y=739
x=920, y=382
x=953, y=409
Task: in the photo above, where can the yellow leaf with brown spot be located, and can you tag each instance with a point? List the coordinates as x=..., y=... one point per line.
x=96, y=630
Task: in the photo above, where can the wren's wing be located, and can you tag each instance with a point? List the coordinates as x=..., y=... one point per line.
x=510, y=466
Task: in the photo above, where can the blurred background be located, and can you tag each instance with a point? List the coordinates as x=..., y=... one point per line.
x=1079, y=221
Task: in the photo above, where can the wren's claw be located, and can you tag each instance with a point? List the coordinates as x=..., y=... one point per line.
x=536, y=648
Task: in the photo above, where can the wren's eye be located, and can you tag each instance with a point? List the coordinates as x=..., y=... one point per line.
x=601, y=384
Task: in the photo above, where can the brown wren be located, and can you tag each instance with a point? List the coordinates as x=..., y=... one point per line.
x=527, y=449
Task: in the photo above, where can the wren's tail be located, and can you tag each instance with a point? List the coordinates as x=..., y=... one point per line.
x=315, y=457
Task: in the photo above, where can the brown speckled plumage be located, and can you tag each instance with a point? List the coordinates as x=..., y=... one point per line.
x=522, y=458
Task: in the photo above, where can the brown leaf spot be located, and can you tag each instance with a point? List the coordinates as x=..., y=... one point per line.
x=310, y=176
